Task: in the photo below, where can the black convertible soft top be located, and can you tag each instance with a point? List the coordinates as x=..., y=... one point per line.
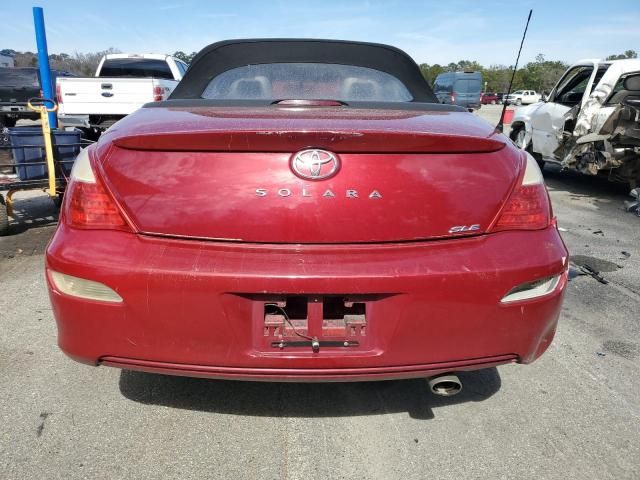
x=223, y=56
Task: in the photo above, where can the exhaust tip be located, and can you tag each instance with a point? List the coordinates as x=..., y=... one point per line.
x=445, y=385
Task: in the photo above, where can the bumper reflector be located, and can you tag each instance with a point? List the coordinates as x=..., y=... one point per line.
x=529, y=290
x=79, y=287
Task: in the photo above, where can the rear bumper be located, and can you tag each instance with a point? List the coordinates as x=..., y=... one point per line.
x=308, y=374
x=80, y=121
x=190, y=308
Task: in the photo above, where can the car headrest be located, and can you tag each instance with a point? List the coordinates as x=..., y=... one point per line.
x=250, y=88
x=358, y=89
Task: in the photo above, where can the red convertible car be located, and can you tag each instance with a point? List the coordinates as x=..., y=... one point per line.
x=305, y=210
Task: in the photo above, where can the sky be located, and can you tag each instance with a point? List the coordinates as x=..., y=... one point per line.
x=431, y=32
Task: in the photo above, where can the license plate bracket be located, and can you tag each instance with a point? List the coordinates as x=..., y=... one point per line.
x=312, y=322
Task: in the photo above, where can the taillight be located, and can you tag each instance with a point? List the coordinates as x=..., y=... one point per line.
x=88, y=204
x=157, y=94
x=58, y=94
x=453, y=97
x=528, y=207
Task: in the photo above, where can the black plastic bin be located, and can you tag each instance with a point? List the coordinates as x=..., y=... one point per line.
x=66, y=146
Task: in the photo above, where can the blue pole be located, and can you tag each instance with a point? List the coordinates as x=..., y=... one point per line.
x=43, y=61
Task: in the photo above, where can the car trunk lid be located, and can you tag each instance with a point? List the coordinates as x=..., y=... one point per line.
x=226, y=174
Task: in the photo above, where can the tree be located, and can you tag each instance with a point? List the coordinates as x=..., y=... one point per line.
x=542, y=74
x=25, y=59
x=430, y=72
x=469, y=66
x=622, y=56
x=186, y=58
x=497, y=78
x=84, y=64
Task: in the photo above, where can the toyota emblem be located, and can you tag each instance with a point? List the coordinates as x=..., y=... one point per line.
x=314, y=164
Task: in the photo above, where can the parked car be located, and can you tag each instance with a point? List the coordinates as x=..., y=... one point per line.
x=501, y=96
x=459, y=88
x=122, y=84
x=590, y=121
x=299, y=210
x=523, y=97
x=17, y=86
x=488, y=98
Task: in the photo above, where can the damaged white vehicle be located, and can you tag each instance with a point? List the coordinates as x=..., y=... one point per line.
x=589, y=122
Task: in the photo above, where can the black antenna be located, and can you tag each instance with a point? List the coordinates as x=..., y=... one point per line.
x=500, y=126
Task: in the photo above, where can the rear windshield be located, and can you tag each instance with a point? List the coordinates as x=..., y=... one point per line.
x=12, y=77
x=135, y=67
x=306, y=81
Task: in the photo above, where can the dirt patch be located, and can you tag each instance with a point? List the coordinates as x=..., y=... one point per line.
x=596, y=263
x=628, y=350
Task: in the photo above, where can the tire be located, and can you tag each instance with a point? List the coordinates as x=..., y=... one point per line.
x=4, y=218
x=91, y=134
x=517, y=136
x=518, y=102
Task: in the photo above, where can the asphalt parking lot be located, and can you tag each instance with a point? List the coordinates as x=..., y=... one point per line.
x=575, y=413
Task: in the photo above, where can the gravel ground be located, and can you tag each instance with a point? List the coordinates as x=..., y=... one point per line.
x=572, y=414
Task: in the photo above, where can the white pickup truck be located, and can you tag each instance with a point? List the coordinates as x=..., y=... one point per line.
x=523, y=97
x=122, y=84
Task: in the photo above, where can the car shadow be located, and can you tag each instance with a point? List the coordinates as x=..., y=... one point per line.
x=261, y=399
x=31, y=228
x=595, y=186
x=32, y=212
